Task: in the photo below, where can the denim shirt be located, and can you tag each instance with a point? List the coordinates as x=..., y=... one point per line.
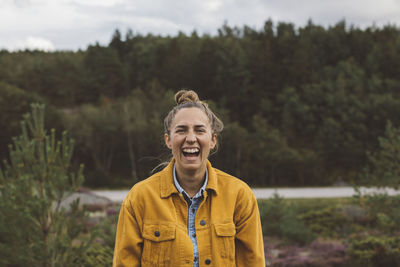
x=193, y=205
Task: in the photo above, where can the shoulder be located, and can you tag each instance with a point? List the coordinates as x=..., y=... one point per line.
x=228, y=182
x=144, y=189
x=236, y=192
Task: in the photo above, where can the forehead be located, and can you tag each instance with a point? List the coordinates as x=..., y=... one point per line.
x=190, y=117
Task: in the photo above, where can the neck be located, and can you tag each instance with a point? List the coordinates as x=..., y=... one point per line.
x=191, y=181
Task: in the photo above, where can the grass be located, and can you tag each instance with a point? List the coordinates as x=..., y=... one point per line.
x=302, y=205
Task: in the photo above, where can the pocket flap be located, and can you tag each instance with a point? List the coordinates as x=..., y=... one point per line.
x=159, y=232
x=225, y=229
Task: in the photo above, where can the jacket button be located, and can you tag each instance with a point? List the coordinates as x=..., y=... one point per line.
x=194, y=235
x=207, y=261
x=202, y=222
x=157, y=233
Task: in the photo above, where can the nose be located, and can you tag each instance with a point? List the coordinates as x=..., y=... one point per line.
x=190, y=138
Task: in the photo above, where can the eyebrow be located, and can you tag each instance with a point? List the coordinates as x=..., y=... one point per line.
x=185, y=126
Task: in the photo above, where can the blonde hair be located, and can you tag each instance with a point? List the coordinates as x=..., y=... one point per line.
x=189, y=99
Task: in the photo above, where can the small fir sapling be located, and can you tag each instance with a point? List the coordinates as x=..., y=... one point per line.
x=35, y=230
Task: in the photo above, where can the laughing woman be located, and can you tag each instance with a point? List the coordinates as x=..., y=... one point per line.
x=190, y=214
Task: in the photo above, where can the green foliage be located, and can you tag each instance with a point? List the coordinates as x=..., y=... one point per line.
x=327, y=222
x=272, y=213
x=280, y=219
x=104, y=73
x=14, y=102
x=375, y=252
x=97, y=255
x=92, y=126
x=384, y=164
x=34, y=229
x=108, y=229
x=100, y=253
x=117, y=135
x=264, y=146
x=383, y=210
x=294, y=230
x=301, y=105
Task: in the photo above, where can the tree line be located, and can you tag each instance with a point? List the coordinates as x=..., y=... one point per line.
x=301, y=105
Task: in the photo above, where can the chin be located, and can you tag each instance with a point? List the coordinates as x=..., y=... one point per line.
x=192, y=166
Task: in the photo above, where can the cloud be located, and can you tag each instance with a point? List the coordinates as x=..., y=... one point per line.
x=103, y=3
x=362, y=13
x=35, y=43
x=73, y=24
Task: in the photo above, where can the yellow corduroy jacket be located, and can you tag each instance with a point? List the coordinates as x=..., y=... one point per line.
x=152, y=226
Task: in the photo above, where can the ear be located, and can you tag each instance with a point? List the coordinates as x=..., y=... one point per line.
x=167, y=141
x=214, y=140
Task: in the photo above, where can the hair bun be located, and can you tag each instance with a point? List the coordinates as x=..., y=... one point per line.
x=184, y=96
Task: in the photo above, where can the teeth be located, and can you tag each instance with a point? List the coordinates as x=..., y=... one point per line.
x=190, y=150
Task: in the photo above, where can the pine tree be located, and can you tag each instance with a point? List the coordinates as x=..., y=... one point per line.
x=383, y=169
x=35, y=230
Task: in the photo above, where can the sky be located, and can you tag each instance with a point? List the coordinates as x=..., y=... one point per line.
x=51, y=25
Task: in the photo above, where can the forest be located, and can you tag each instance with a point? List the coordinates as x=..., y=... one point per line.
x=302, y=106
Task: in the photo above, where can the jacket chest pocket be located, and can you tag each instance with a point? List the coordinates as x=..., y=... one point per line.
x=157, y=243
x=226, y=240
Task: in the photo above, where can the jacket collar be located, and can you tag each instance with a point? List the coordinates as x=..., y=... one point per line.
x=168, y=188
x=212, y=178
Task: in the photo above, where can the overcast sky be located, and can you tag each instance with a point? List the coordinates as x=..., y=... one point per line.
x=73, y=24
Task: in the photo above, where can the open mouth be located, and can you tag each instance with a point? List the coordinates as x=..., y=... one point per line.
x=191, y=152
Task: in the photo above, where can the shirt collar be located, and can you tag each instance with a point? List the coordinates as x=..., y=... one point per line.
x=181, y=190
x=167, y=186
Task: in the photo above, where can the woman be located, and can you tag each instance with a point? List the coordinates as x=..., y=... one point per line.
x=190, y=214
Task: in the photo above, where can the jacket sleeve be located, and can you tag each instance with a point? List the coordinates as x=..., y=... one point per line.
x=129, y=241
x=249, y=245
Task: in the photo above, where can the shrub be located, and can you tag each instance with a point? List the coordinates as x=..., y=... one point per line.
x=326, y=222
x=108, y=227
x=292, y=229
x=375, y=252
x=280, y=219
x=383, y=210
x=272, y=212
x=97, y=255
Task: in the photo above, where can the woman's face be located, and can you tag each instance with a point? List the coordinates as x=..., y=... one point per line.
x=190, y=139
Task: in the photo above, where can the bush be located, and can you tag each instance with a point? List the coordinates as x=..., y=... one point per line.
x=280, y=219
x=272, y=212
x=97, y=255
x=375, y=252
x=108, y=227
x=326, y=222
x=383, y=210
